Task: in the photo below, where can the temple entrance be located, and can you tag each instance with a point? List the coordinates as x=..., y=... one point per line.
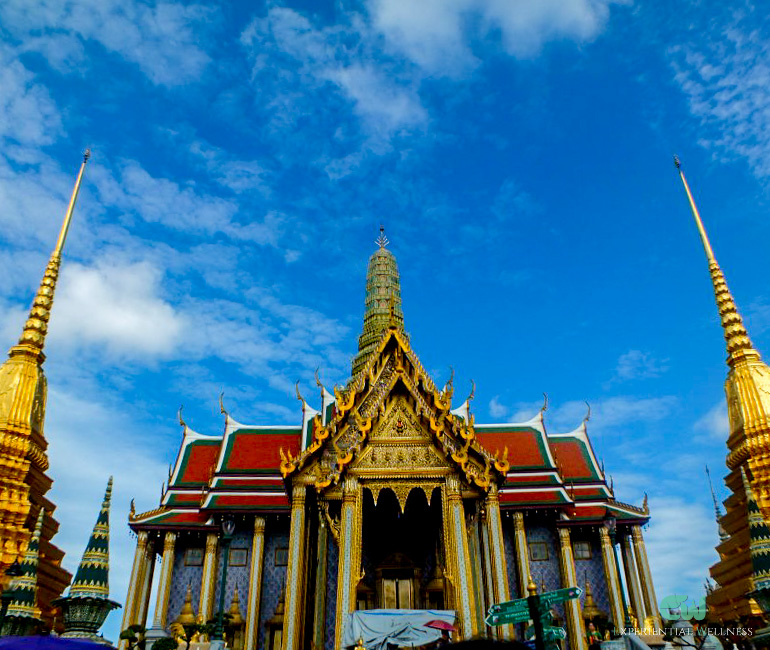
x=402, y=552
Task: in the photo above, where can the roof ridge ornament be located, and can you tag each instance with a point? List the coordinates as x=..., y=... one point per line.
x=588, y=414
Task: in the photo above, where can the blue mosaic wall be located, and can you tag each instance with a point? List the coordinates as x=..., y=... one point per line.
x=237, y=576
x=546, y=570
x=273, y=577
x=331, y=592
x=510, y=556
x=182, y=575
x=593, y=569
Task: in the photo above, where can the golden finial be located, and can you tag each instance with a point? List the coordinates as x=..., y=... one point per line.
x=222, y=408
x=36, y=327
x=182, y=423
x=531, y=586
x=737, y=338
x=588, y=413
x=382, y=240
x=299, y=395
x=544, y=407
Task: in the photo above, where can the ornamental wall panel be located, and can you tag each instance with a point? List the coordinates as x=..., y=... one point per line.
x=273, y=577
x=183, y=576
x=510, y=557
x=594, y=570
x=331, y=592
x=237, y=576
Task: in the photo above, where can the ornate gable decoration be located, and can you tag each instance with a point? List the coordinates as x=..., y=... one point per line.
x=391, y=420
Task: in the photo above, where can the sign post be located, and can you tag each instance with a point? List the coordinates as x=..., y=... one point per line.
x=535, y=608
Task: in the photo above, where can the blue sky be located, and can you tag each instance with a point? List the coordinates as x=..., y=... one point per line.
x=519, y=156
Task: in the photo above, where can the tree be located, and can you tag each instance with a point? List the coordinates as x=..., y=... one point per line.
x=166, y=643
x=134, y=634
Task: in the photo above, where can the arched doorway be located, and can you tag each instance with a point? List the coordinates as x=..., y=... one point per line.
x=402, y=551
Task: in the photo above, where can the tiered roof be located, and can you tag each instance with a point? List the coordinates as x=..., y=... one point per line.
x=248, y=468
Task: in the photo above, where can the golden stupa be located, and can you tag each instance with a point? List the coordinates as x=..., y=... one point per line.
x=23, y=458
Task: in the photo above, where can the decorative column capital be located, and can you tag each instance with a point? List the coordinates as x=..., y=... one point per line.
x=492, y=494
x=298, y=493
x=169, y=541
x=518, y=521
x=211, y=543
x=636, y=533
x=604, y=534
x=350, y=488
x=564, y=536
x=259, y=525
x=453, y=485
x=142, y=539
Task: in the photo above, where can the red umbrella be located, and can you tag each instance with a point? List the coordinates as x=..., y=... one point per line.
x=441, y=625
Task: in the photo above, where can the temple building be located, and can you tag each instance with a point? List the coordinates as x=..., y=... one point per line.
x=23, y=459
x=747, y=389
x=388, y=496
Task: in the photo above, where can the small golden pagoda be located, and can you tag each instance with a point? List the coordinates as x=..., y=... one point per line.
x=747, y=389
x=23, y=458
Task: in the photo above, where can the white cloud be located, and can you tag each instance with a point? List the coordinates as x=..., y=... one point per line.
x=714, y=422
x=162, y=38
x=636, y=364
x=28, y=115
x=163, y=201
x=116, y=306
x=91, y=440
x=680, y=545
x=439, y=35
x=341, y=57
x=724, y=71
x=496, y=409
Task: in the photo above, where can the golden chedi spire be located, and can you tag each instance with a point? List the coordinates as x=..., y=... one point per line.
x=747, y=389
x=383, y=301
x=23, y=459
x=737, y=338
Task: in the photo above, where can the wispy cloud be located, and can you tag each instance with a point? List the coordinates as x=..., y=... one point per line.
x=450, y=37
x=162, y=38
x=724, y=70
x=714, y=423
x=636, y=364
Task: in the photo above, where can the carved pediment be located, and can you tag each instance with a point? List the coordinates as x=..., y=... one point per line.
x=400, y=423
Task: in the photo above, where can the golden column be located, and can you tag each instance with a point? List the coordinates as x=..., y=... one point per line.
x=349, y=569
x=522, y=552
x=137, y=569
x=319, y=607
x=461, y=570
x=497, y=551
x=645, y=577
x=164, y=584
x=209, y=578
x=295, y=572
x=632, y=580
x=613, y=579
x=572, y=610
x=487, y=558
x=255, y=584
x=146, y=586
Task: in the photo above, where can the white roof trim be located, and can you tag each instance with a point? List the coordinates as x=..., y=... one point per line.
x=189, y=437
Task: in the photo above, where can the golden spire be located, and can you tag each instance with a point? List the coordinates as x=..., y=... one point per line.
x=36, y=327
x=737, y=338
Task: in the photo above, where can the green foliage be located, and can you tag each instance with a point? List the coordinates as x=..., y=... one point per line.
x=134, y=634
x=167, y=643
